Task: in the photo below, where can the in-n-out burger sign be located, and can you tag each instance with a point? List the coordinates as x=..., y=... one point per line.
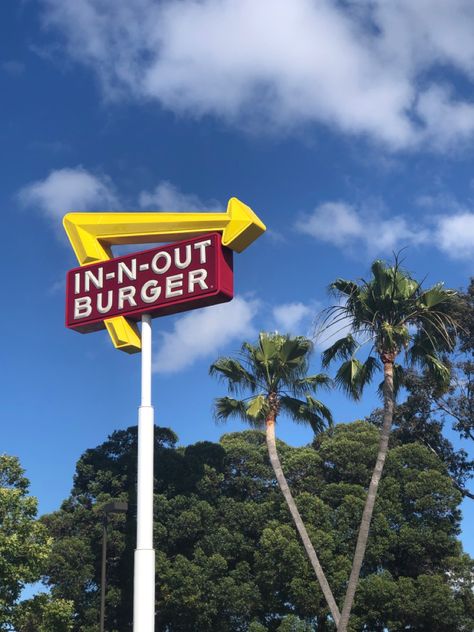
x=169, y=279
x=103, y=292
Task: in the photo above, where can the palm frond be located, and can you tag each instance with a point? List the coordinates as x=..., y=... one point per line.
x=227, y=407
x=311, y=383
x=319, y=408
x=304, y=413
x=234, y=373
x=294, y=351
x=284, y=359
x=252, y=356
x=440, y=327
x=437, y=295
x=383, y=278
x=341, y=349
x=342, y=287
x=367, y=371
x=269, y=346
x=257, y=408
x=348, y=377
x=440, y=373
x=427, y=342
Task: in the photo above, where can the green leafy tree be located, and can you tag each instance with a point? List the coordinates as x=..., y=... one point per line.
x=294, y=624
x=420, y=418
x=104, y=473
x=411, y=543
x=274, y=372
x=24, y=542
x=394, y=314
x=42, y=613
x=228, y=556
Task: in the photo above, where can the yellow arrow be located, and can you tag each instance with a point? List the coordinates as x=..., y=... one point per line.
x=92, y=234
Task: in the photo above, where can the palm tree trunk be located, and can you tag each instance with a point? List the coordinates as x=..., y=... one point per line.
x=275, y=461
x=371, y=495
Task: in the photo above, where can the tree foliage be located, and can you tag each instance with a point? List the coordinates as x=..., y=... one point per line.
x=419, y=418
x=24, y=542
x=228, y=557
x=103, y=473
x=42, y=613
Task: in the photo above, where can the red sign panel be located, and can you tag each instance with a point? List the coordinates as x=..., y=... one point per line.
x=173, y=278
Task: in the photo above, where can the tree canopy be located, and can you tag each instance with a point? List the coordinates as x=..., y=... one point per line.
x=24, y=545
x=228, y=557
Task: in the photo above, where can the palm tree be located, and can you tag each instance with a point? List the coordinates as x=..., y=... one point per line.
x=394, y=314
x=274, y=371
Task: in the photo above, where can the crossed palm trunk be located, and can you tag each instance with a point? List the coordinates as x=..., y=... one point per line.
x=362, y=538
x=341, y=619
x=274, y=371
x=295, y=514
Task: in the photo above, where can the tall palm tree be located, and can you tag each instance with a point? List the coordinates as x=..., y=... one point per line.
x=394, y=314
x=274, y=371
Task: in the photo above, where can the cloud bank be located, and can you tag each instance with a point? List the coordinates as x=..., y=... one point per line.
x=372, y=68
x=347, y=227
x=368, y=234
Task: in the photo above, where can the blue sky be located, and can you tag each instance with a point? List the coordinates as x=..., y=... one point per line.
x=347, y=127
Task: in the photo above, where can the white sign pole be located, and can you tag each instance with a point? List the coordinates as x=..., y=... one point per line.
x=144, y=573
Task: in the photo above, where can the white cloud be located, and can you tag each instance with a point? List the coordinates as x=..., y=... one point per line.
x=333, y=222
x=67, y=190
x=345, y=226
x=447, y=120
x=360, y=67
x=167, y=197
x=289, y=317
x=204, y=333
x=77, y=189
x=447, y=225
x=455, y=235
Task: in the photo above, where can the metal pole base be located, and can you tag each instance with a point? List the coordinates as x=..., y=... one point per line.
x=144, y=591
